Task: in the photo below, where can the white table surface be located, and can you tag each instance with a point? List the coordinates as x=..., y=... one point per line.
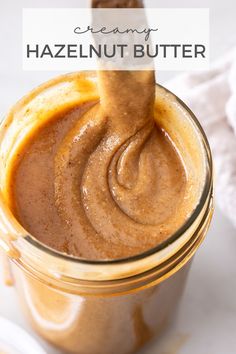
x=206, y=323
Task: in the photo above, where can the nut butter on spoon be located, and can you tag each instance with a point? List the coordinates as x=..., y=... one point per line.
x=122, y=189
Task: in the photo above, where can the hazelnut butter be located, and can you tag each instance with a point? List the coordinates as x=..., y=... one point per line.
x=67, y=163
x=106, y=193
x=103, y=180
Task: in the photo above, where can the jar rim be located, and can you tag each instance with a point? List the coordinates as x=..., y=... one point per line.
x=173, y=237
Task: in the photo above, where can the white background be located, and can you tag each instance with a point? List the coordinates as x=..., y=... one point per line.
x=206, y=323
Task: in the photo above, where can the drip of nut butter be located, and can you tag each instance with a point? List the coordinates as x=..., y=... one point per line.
x=106, y=181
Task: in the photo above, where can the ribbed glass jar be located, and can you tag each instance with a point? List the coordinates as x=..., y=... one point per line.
x=97, y=307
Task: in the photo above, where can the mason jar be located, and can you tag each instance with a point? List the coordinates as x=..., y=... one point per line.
x=105, y=306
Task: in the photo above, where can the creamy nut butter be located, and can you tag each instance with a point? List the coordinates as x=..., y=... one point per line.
x=103, y=180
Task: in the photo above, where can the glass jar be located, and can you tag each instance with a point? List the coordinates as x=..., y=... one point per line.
x=99, y=307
